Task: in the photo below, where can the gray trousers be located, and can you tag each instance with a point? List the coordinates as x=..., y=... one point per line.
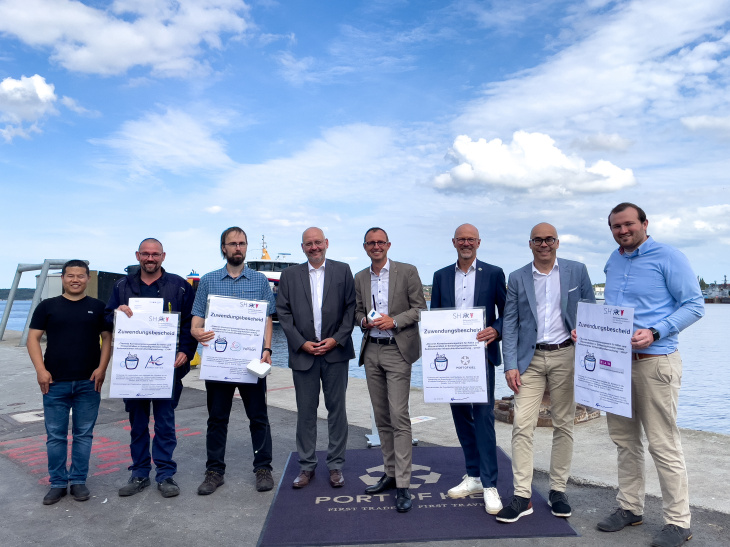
x=333, y=378
x=389, y=383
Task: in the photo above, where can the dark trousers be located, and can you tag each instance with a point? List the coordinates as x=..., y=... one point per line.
x=220, y=402
x=474, y=423
x=164, y=441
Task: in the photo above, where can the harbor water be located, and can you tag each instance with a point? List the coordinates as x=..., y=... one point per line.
x=703, y=401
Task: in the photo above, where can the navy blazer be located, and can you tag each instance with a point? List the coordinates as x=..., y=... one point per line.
x=520, y=313
x=489, y=291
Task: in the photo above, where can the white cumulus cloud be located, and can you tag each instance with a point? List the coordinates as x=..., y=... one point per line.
x=530, y=162
x=25, y=101
x=167, y=36
x=716, y=125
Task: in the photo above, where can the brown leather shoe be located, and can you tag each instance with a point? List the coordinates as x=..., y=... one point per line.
x=336, y=478
x=303, y=479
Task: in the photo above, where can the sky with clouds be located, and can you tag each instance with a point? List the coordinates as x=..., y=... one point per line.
x=127, y=119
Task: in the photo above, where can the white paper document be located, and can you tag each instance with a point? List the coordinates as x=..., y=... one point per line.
x=239, y=335
x=603, y=357
x=143, y=356
x=146, y=305
x=453, y=361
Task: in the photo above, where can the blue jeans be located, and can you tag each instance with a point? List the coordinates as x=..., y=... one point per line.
x=165, y=440
x=81, y=397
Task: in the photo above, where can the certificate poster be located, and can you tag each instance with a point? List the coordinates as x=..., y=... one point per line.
x=453, y=361
x=143, y=356
x=239, y=336
x=603, y=357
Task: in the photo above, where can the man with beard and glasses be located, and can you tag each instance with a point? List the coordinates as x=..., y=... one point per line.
x=152, y=281
x=237, y=281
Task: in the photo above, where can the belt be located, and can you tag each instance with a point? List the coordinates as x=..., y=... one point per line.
x=383, y=341
x=639, y=356
x=553, y=347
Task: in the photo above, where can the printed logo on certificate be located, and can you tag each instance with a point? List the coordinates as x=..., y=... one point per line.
x=239, y=327
x=603, y=357
x=453, y=360
x=143, y=355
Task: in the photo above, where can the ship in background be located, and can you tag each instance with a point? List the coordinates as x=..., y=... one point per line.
x=271, y=267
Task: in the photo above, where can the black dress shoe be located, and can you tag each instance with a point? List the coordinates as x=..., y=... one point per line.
x=54, y=495
x=403, y=502
x=385, y=483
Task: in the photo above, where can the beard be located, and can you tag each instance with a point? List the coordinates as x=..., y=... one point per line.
x=236, y=259
x=152, y=267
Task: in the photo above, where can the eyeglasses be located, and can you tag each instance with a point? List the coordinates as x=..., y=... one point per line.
x=469, y=240
x=376, y=243
x=234, y=245
x=150, y=255
x=310, y=244
x=537, y=241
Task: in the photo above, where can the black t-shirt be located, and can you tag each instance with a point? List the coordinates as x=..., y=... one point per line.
x=72, y=330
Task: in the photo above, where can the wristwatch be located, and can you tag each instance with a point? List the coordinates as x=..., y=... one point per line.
x=655, y=333
x=269, y=350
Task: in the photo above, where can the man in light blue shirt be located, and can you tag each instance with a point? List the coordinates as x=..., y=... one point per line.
x=658, y=282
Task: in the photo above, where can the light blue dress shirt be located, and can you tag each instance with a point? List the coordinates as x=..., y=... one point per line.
x=658, y=282
x=250, y=285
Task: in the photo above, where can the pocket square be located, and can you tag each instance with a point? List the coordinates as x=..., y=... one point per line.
x=573, y=289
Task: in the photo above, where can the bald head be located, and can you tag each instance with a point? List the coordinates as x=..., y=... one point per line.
x=469, y=229
x=544, y=227
x=314, y=245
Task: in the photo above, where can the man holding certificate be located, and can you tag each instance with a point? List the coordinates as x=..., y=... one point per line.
x=237, y=281
x=541, y=309
x=657, y=281
x=173, y=294
x=390, y=346
x=472, y=283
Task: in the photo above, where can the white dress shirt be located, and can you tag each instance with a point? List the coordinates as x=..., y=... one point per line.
x=316, y=283
x=379, y=292
x=464, y=284
x=550, y=325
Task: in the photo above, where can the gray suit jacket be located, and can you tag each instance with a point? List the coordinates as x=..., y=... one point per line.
x=294, y=308
x=519, y=328
x=405, y=300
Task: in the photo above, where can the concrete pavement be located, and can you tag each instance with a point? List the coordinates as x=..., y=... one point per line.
x=235, y=514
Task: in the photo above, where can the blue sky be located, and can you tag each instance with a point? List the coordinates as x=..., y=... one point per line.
x=135, y=118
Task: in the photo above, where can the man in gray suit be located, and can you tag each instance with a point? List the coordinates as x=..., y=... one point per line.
x=540, y=312
x=390, y=346
x=316, y=309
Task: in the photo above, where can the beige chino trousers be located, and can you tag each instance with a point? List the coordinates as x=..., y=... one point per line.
x=553, y=369
x=655, y=393
x=389, y=383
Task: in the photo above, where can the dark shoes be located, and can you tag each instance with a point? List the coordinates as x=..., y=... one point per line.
x=80, y=492
x=134, y=485
x=210, y=483
x=618, y=520
x=264, y=480
x=403, y=501
x=385, y=483
x=303, y=479
x=559, y=503
x=336, y=478
x=671, y=536
x=169, y=488
x=518, y=507
x=54, y=495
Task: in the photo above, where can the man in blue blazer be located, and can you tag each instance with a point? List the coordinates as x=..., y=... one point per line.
x=541, y=309
x=467, y=284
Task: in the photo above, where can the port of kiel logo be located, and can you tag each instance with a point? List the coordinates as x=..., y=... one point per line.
x=420, y=474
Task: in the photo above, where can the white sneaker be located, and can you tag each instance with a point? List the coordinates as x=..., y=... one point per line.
x=492, y=501
x=467, y=487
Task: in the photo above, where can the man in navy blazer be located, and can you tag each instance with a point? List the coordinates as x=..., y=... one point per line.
x=467, y=284
x=541, y=309
x=316, y=309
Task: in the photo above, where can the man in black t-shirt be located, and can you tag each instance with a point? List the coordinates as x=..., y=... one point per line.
x=70, y=376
